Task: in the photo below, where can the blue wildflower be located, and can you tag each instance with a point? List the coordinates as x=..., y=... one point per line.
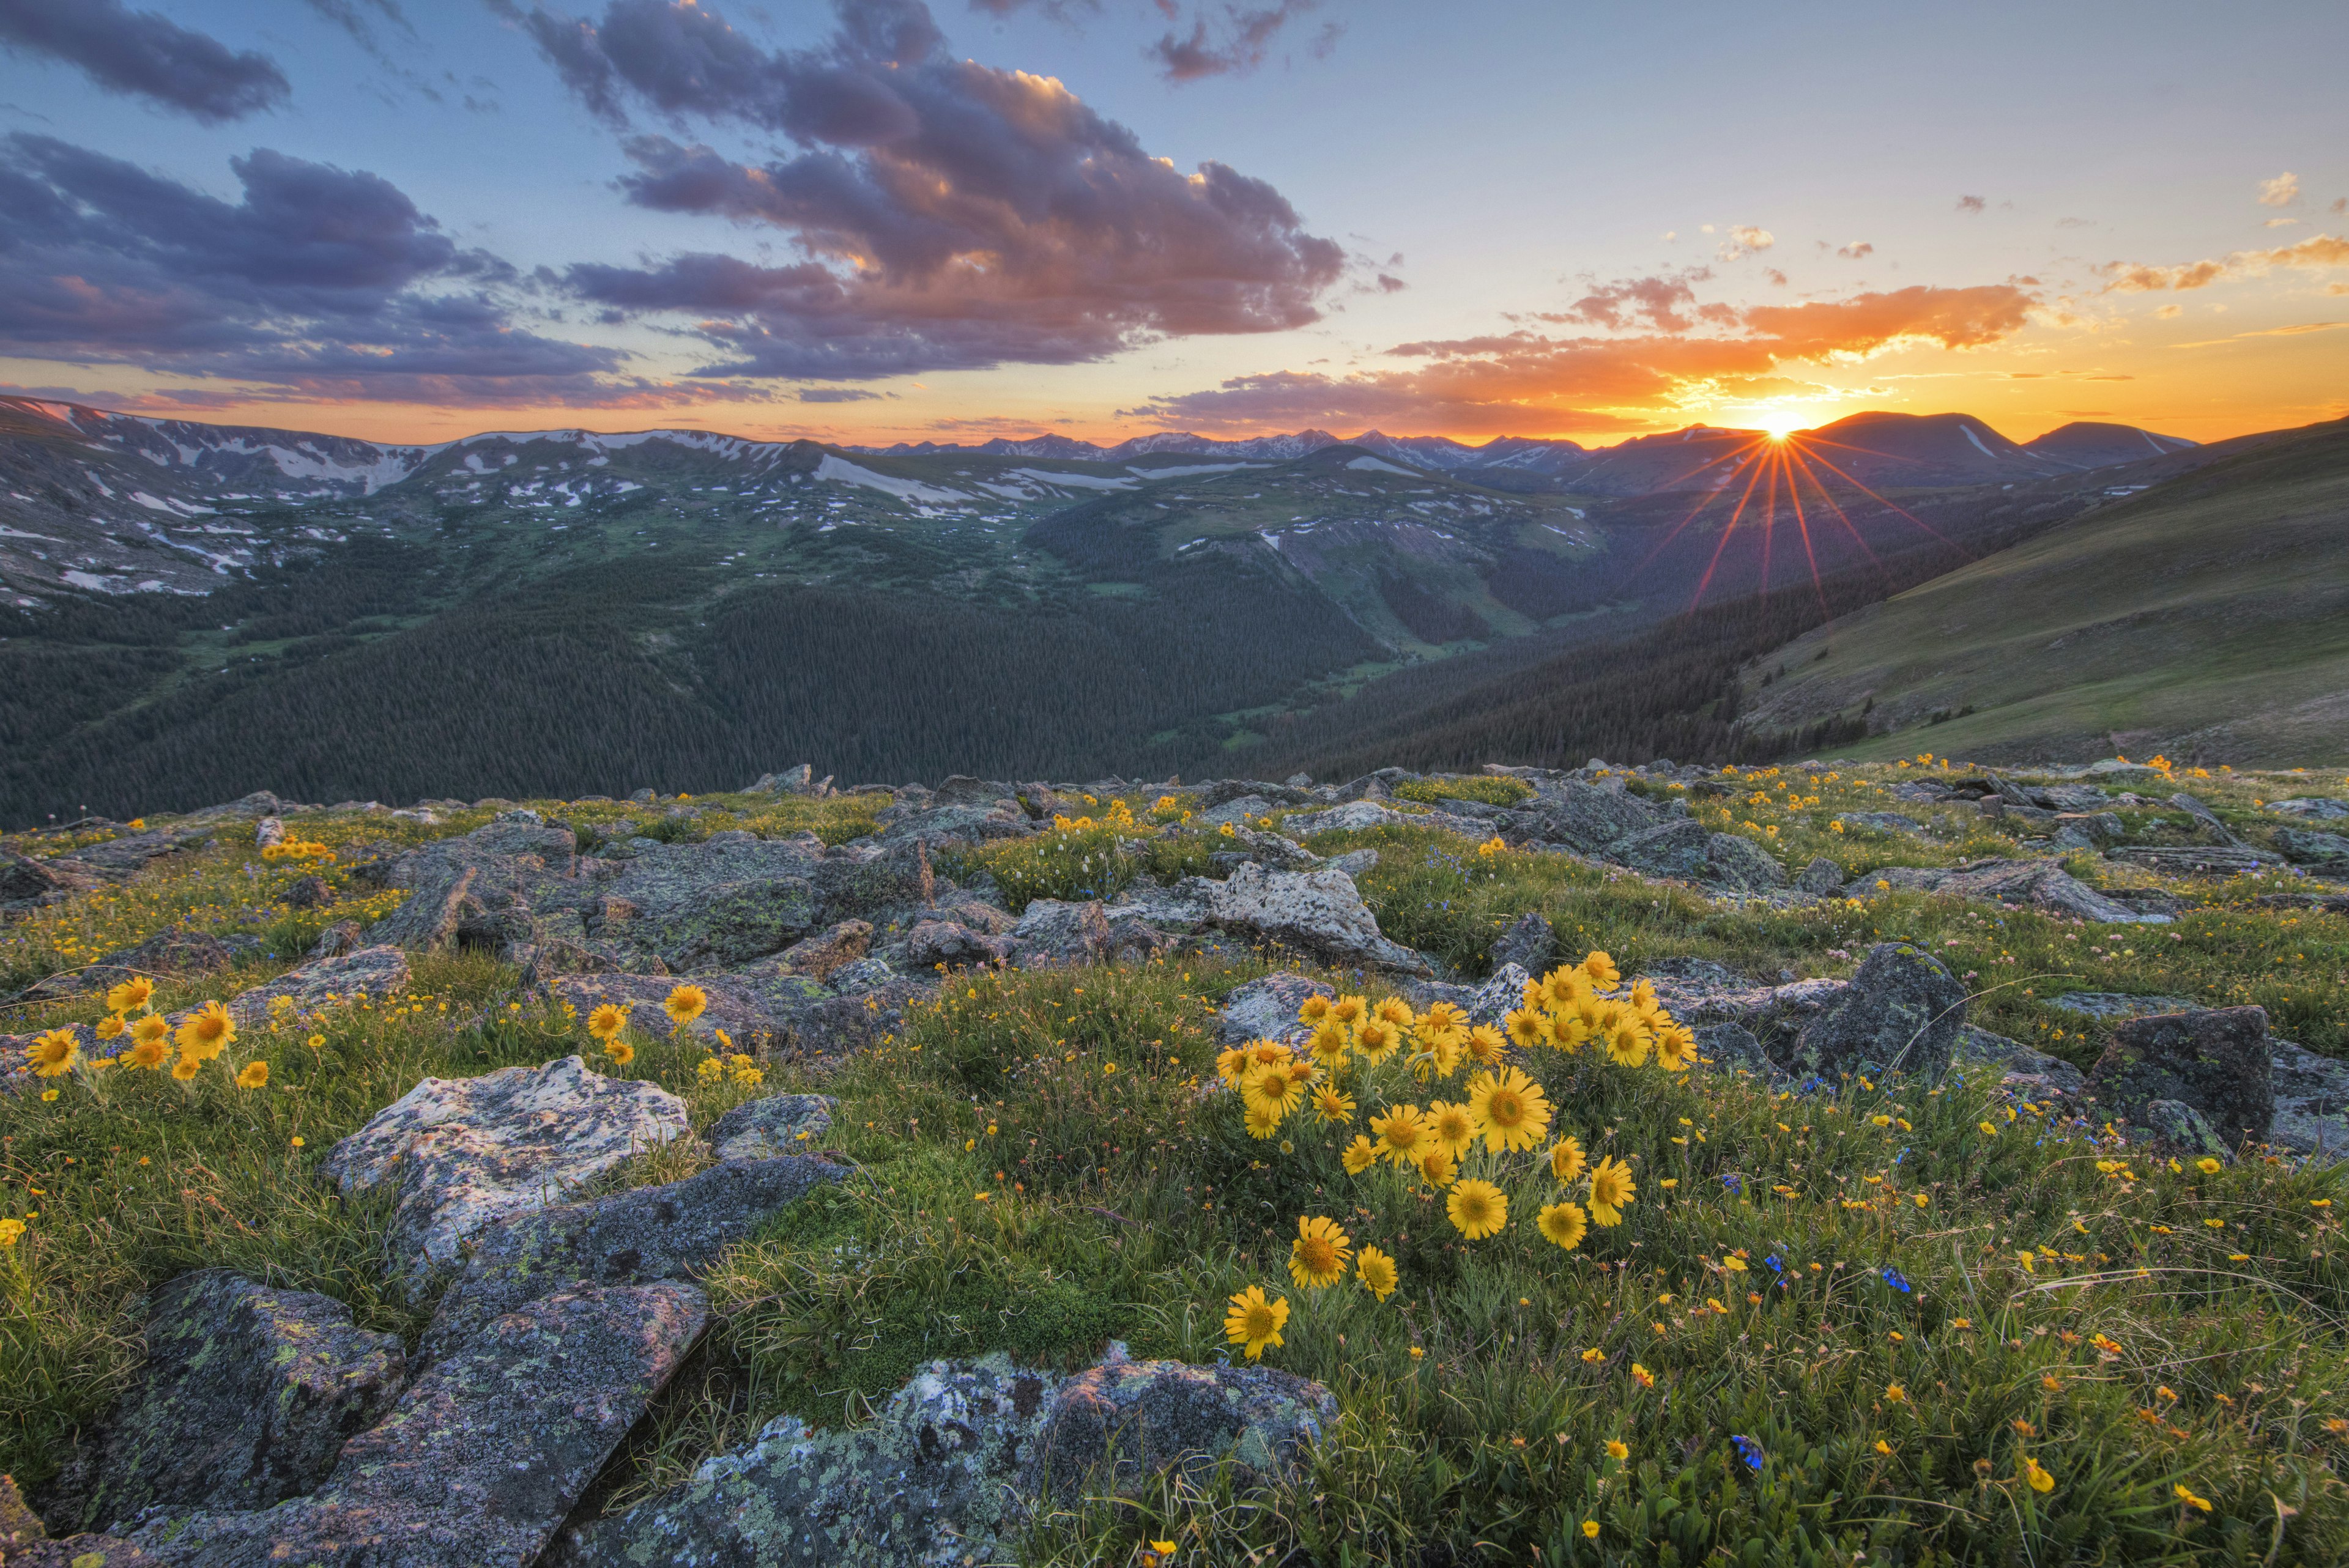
x=1729, y=1180
x=1892, y=1277
x=1749, y=1450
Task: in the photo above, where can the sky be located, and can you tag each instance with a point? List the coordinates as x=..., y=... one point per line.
x=873, y=220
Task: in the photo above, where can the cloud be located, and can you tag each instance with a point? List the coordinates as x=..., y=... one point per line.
x=2280, y=192
x=2171, y=311
x=143, y=54
x=1236, y=44
x=318, y=277
x=837, y=395
x=2280, y=223
x=1528, y=383
x=1665, y=304
x=1856, y=250
x=949, y=215
x=2316, y=251
x=1744, y=241
x=1973, y=203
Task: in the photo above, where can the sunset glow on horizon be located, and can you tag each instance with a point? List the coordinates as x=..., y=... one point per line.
x=880, y=220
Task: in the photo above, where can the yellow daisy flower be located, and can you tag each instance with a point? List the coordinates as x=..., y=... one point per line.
x=1377, y=1273
x=1478, y=1209
x=1255, y=1321
x=1509, y=1108
x=1564, y=1224
x=1317, y=1257
x=1611, y=1189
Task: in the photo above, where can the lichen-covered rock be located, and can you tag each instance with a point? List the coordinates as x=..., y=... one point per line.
x=462, y=1152
x=1587, y=818
x=1265, y=1009
x=2023, y=1066
x=246, y=1398
x=1124, y=1424
x=27, y=884
x=932, y=1481
x=1488, y=1001
x=2118, y=1004
x=2174, y=1125
x=947, y=942
x=1317, y=913
x=1880, y=822
x=2312, y=1101
x=1355, y=816
x=2039, y=885
x=128, y=853
x=669, y=1232
x=968, y=823
x=1732, y=1047
x=2216, y=1060
x=1054, y=932
x=1529, y=943
x=1680, y=848
x=25, y=1541
x=2309, y=847
x=376, y=972
x=483, y=1456
x=817, y=956
x=749, y=1008
x=1901, y=1013
x=1822, y=877
x=957, y=1462
x=1741, y=864
x=779, y=1124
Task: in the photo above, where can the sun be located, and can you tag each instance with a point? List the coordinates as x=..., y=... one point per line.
x=1778, y=423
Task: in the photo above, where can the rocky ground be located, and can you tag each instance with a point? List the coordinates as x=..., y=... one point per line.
x=460, y=1278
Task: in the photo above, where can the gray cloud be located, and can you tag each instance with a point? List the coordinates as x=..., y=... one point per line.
x=319, y=277
x=1235, y=43
x=950, y=215
x=143, y=54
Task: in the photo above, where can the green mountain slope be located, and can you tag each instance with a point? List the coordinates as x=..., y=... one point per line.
x=2206, y=617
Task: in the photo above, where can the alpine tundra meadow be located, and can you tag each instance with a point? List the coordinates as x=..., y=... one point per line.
x=1576, y=784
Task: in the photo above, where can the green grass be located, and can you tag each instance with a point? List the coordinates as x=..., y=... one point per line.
x=2208, y=615
x=1474, y=1416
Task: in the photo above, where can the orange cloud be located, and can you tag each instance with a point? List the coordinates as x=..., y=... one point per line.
x=1524, y=383
x=2317, y=250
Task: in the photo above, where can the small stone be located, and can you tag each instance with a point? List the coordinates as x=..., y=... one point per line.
x=1265, y=1009
x=2216, y=1060
x=763, y=1129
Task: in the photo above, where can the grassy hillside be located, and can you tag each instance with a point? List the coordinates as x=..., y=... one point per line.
x=1862, y=1323
x=2206, y=617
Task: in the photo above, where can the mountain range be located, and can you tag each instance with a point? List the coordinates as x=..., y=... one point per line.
x=190, y=605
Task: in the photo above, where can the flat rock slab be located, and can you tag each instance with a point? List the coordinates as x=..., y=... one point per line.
x=2037, y=884
x=669, y=1232
x=956, y=1463
x=1124, y=1424
x=2312, y=1101
x=930, y=1481
x=777, y=1125
x=246, y=1399
x=2021, y=1063
x=377, y=972
x=485, y=1454
x=462, y=1152
x=1356, y=816
x=2215, y=1059
x=2118, y=1004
